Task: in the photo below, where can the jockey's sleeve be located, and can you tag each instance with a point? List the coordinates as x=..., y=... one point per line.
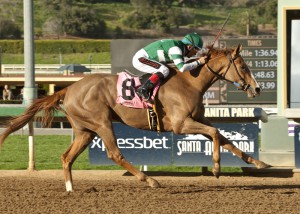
x=176, y=55
x=189, y=66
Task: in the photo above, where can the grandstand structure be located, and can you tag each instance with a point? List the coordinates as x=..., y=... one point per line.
x=48, y=78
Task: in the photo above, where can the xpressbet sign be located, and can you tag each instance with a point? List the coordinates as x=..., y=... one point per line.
x=150, y=148
x=134, y=143
x=138, y=146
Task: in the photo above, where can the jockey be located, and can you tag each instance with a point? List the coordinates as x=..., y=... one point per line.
x=150, y=59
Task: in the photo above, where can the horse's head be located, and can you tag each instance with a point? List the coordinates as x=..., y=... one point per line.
x=234, y=70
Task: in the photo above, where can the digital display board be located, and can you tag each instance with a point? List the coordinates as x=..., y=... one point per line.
x=260, y=54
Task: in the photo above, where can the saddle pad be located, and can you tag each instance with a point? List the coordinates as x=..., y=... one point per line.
x=126, y=91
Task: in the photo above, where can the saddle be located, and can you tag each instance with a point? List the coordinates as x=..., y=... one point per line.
x=127, y=85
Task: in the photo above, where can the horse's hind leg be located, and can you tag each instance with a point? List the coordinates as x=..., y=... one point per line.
x=114, y=153
x=247, y=158
x=81, y=141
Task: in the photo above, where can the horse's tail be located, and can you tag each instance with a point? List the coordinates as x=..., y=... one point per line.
x=48, y=105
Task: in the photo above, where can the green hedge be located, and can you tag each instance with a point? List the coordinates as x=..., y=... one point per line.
x=53, y=46
x=12, y=46
x=10, y=101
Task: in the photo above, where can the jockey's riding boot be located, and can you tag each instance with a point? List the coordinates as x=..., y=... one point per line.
x=144, y=90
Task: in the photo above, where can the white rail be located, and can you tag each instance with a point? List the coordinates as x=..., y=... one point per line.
x=51, y=68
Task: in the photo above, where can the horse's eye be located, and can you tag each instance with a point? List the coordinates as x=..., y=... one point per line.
x=244, y=68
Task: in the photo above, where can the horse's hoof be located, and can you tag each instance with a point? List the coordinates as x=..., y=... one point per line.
x=216, y=172
x=69, y=192
x=153, y=183
x=262, y=165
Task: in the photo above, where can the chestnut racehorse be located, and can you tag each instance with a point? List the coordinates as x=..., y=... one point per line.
x=90, y=107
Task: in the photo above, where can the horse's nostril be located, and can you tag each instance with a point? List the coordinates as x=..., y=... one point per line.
x=257, y=90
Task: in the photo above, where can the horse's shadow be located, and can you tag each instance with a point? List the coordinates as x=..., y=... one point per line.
x=256, y=173
x=269, y=187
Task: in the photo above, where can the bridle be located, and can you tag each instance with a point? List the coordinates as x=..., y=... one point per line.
x=244, y=86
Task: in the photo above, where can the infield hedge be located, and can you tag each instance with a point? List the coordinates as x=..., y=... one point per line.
x=53, y=46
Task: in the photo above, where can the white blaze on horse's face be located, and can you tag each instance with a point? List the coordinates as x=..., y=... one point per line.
x=257, y=88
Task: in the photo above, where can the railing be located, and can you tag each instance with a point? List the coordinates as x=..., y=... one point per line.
x=8, y=69
x=12, y=110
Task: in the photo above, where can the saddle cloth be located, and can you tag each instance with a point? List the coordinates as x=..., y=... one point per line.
x=126, y=91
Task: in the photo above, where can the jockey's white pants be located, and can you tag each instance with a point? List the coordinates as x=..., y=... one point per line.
x=148, y=65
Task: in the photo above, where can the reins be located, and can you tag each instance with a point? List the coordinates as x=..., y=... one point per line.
x=244, y=85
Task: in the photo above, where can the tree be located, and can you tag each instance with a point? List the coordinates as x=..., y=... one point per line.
x=83, y=22
x=267, y=10
x=153, y=14
x=74, y=20
x=9, y=30
x=53, y=26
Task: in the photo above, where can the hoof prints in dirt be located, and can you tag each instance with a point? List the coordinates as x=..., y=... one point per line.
x=122, y=193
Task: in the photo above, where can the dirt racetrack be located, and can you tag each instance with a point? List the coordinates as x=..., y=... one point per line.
x=113, y=192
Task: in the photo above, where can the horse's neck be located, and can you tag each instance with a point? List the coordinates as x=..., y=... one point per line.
x=217, y=64
x=200, y=78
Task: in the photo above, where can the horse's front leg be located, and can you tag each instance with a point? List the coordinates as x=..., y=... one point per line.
x=191, y=126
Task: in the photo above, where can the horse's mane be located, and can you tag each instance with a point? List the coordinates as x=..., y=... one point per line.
x=218, y=51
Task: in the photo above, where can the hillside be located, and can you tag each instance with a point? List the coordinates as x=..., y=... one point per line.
x=205, y=19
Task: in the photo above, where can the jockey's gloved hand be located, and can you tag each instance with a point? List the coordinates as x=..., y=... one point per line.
x=202, y=51
x=203, y=60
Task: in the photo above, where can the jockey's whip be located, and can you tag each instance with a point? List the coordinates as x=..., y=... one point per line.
x=217, y=36
x=219, y=33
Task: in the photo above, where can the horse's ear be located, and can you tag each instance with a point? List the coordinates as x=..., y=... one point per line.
x=237, y=50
